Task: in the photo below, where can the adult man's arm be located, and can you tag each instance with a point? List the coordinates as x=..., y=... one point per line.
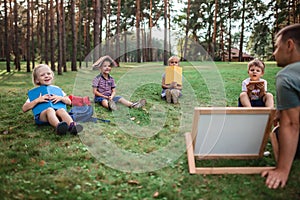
x=288, y=141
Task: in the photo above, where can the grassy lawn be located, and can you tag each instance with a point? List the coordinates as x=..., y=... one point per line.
x=140, y=154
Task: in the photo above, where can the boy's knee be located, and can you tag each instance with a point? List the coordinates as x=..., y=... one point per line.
x=175, y=92
x=243, y=95
x=61, y=111
x=269, y=95
x=50, y=110
x=104, y=103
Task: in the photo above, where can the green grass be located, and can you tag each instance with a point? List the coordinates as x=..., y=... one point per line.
x=114, y=160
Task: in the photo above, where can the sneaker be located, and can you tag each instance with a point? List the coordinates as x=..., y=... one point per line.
x=168, y=95
x=139, y=103
x=112, y=105
x=75, y=128
x=62, y=128
x=175, y=95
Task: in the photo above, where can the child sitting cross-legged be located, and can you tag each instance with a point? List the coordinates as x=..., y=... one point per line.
x=254, y=89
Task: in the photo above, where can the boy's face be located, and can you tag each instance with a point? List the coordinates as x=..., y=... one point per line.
x=255, y=73
x=173, y=62
x=105, y=67
x=44, y=76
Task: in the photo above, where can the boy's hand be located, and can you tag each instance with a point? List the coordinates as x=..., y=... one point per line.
x=261, y=87
x=54, y=98
x=43, y=98
x=250, y=87
x=173, y=85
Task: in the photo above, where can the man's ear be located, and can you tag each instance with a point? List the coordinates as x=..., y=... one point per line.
x=290, y=44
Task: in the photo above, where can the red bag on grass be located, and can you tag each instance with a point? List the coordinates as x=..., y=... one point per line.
x=80, y=101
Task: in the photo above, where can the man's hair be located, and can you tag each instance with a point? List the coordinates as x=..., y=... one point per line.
x=258, y=63
x=290, y=32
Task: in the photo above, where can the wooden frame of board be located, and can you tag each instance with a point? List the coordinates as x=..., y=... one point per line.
x=228, y=133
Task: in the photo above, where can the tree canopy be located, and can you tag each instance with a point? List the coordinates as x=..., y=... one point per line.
x=57, y=31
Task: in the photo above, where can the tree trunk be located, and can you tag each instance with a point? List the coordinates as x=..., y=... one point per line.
x=101, y=25
x=87, y=30
x=108, y=32
x=150, y=33
x=229, y=31
x=222, y=56
x=28, y=38
x=96, y=30
x=125, y=45
x=242, y=33
x=214, y=37
x=7, y=49
x=16, y=49
x=52, y=42
x=79, y=31
x=39, y=34
x=32, y=35
x=63, y=36
x=74, y=37
x=187, y=29
x=59, y=38
x=118, y=33
x=166, y=32
x=138, y=15
x=46, y=25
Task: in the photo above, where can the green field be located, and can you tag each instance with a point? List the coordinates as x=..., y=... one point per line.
x=140, y=154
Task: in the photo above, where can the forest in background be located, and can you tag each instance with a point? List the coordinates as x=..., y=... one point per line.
x=60, y=31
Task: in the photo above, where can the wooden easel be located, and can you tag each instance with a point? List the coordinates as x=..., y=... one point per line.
x=230, y=132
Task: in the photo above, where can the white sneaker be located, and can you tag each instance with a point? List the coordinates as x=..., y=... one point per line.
x=139, y=103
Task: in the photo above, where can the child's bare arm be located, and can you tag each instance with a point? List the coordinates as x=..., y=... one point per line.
x=113, y=93
x=98, y=94
x=29, y=105
x=65, y=99
x=163, y=84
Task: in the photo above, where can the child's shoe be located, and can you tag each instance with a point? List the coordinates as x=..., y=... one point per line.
x=62, y=128
x=112, y=105
x=168, y=96
x=139, y=104
x=175, y=95
x=75, y=128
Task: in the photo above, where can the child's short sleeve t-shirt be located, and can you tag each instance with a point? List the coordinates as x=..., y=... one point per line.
x=246, y=82
x=104, y=86
x=255, y=93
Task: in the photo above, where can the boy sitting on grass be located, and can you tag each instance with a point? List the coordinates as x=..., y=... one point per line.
x=42, y=75
x=254, y=89
x=104, y=88
x=171, y=92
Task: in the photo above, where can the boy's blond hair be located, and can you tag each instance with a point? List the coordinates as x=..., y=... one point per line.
x=258, y=63
x=35, y=73
x=174, y=58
